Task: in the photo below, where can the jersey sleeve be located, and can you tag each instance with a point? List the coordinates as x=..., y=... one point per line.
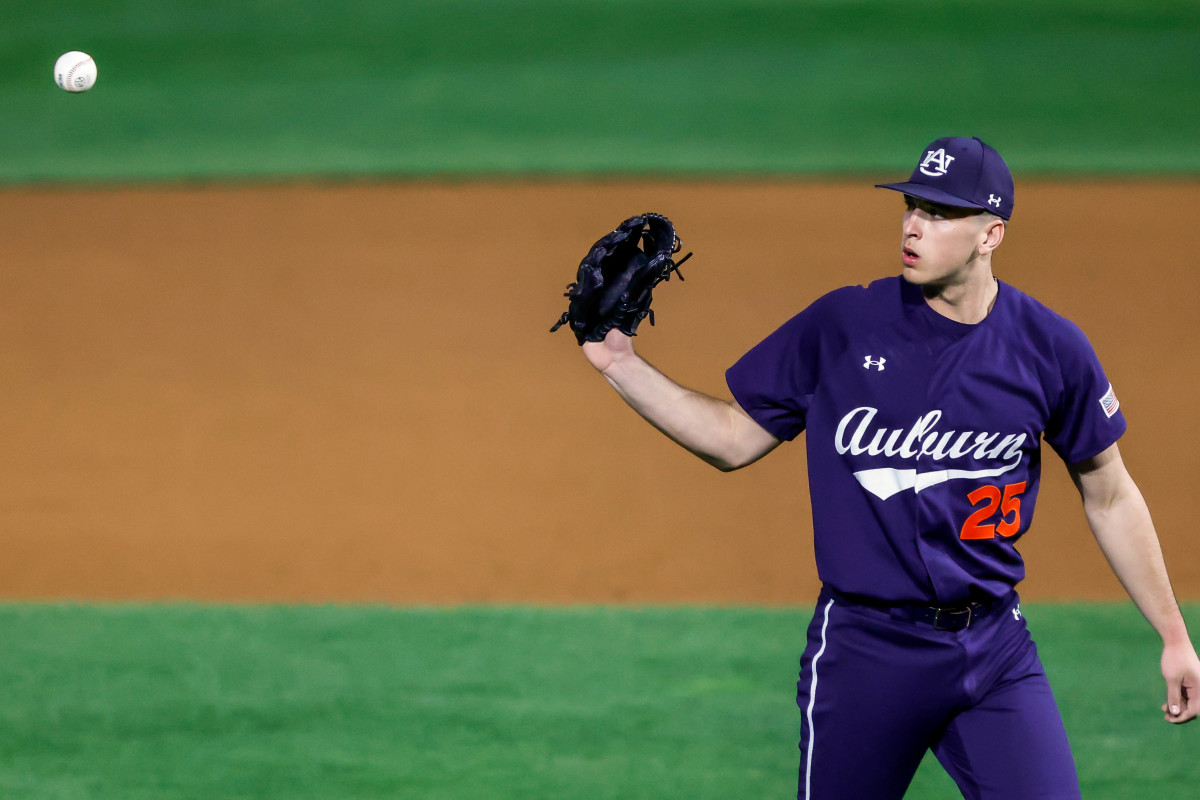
x=1087, y=419
x=774, y=382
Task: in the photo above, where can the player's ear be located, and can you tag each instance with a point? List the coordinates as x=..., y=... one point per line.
x=992, y=233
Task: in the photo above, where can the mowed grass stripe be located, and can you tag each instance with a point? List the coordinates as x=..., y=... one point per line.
x=181, y=701
x=225, y=89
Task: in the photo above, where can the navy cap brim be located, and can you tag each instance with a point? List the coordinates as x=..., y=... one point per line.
x=934, y=195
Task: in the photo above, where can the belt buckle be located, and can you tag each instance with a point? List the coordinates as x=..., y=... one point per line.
x=937, y=619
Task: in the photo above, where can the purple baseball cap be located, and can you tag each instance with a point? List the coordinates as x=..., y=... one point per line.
x=963, y=173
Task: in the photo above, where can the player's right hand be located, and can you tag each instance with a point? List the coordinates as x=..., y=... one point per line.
x=615, y=347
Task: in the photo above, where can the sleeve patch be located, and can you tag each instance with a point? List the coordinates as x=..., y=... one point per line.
x=1109, y=402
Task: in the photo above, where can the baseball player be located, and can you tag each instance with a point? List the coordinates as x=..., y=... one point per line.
x=925, y=397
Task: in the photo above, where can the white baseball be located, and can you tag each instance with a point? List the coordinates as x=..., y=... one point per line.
x=75, y=71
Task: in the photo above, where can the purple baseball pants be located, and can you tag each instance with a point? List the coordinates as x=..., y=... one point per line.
x=876, y=692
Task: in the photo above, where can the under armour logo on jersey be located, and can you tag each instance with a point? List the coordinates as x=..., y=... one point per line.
x=877, y=363
x=993, y=200
x=1017, y=612
x=936, y=163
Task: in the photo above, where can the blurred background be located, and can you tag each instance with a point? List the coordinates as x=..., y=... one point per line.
x=472, y=88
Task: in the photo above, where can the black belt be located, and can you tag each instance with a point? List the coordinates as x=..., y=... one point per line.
x=940, y=618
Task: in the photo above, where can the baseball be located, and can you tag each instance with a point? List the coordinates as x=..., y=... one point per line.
x=75, y=71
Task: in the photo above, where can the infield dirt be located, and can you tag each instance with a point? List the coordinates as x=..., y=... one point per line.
x=349, y=392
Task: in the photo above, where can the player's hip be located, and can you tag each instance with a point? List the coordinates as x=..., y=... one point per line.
x=940, y=656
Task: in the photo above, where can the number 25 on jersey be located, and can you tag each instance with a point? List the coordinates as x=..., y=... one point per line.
x=998, y=512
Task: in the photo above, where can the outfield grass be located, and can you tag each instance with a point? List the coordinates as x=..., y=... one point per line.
x=182, y=701
x=224, y=88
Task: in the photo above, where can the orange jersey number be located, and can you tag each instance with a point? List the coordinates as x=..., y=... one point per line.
x=1008, y=504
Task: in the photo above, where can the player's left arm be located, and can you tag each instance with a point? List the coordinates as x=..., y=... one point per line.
x=1120, y=521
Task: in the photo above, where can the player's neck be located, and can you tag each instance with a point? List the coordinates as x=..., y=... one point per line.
x=968, y=302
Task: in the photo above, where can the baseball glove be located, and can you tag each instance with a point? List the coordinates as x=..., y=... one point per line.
x=616, y=279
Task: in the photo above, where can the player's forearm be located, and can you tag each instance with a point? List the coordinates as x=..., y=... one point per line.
x=1125, y=532
x=703, y=425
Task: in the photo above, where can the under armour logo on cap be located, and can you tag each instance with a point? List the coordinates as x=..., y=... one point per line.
x=962, y=173
x=936, y=163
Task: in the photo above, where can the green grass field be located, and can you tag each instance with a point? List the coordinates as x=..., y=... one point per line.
x=228, y=89
x=183, y=701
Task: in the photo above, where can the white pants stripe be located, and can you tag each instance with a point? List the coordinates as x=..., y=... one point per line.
x=812, y=699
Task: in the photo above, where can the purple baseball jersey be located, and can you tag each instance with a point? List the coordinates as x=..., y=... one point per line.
x=924, y=433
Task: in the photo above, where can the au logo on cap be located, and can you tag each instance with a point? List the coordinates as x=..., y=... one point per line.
x=938, y=160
